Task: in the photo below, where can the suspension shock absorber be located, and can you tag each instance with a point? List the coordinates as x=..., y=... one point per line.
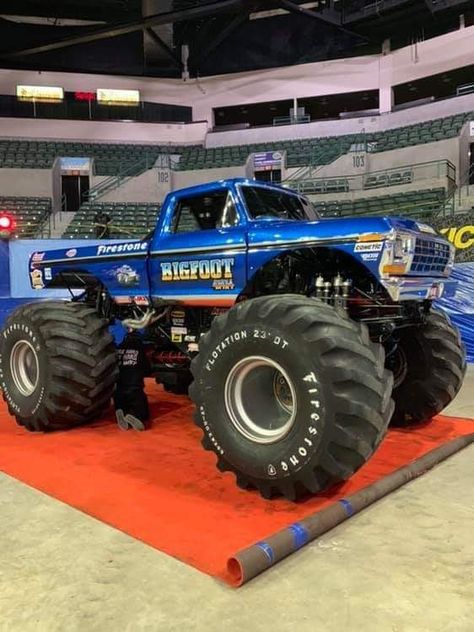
x=319, y=286
x=327, y=291
x=346, y=287
x=337, y=284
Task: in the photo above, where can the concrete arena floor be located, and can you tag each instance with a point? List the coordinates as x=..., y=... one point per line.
x=405, y=564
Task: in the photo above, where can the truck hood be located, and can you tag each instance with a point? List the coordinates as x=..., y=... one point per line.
x=333, y=230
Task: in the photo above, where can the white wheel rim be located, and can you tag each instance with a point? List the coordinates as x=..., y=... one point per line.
x=24, y=367
x=260, y=399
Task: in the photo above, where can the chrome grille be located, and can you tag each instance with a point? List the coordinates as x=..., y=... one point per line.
x=431, y=257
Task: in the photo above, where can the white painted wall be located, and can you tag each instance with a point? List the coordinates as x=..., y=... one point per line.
x=147, y=187
x=104, y=131
x=182, y=179
x=29, y=182
x=432, y=56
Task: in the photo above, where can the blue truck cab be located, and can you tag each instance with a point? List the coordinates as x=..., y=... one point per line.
x=212, y=241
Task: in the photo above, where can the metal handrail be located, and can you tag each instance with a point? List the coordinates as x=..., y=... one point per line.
x=402, y=210
x=113, y=182
x=449, y=168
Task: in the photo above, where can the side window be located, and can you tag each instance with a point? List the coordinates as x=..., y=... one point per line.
x=205, y=212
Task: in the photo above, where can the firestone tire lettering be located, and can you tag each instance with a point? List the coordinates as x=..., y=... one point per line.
x=343, y=393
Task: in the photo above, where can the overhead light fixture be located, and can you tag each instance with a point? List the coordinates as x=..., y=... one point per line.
x=118, y=97
x=39, y=93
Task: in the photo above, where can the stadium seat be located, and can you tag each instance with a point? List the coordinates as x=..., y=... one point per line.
x=321, y=151
x=30, y=213
x=129, y=220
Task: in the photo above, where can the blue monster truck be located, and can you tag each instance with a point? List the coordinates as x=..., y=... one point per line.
x=304, y=337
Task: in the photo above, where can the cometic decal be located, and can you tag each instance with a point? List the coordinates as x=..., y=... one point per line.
x=368, y=246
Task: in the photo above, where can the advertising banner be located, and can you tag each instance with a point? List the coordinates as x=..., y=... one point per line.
x=459, y=230
x=267, y=159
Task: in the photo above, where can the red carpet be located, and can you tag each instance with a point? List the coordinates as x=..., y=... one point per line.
x=162, y=488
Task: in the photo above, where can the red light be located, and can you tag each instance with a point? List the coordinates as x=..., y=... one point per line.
x=84, y=96
x=6, y=222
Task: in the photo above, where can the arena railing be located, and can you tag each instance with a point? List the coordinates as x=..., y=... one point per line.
x=380, y=179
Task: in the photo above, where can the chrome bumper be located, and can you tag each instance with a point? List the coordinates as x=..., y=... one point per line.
x=419, y=288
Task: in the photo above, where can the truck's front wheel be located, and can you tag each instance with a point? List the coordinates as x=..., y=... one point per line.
x=429, y=365
x=291, y=394
x=57, y=365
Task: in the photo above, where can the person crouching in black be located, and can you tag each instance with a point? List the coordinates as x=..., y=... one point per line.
x=131, y=402
x=102, y=225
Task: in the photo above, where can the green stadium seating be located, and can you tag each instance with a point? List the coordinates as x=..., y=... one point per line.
x=129, y=219
x=420, y=204
x=30, y=213
x=321, y=151
x=109, y=158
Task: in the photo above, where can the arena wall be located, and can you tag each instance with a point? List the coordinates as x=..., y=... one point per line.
x=183, y=179
x=147, y=187
x=345, y=165
x=104, y=131
x=26, y=182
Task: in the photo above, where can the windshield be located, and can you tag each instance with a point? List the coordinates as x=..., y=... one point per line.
x=262, y=202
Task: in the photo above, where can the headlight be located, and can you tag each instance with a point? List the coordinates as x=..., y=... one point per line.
x=450, y=264
x=403, y=247
x=400, y=250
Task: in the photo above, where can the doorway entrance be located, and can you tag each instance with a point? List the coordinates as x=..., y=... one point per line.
x=74, y=190
x=269, y=175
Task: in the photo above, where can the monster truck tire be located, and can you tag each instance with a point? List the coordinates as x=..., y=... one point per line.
x=58, y=365
x=429, y=369
x=290, y=393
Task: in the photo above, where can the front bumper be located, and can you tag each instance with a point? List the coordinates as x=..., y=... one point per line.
x=419, y=288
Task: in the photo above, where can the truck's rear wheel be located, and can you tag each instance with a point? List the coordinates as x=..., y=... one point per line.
x=291, y=394
x=57, y=365
x=429, y=365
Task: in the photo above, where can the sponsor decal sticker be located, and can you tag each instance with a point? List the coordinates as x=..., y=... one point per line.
x=181, y=331
x=368, y=246
x=223, y=284
x=71, y=253
x=37, y=282
x=176, y=338
x=198, y=270
x=141, y=300
x=178, y=313
x=37, y=256
x=123, y=300
x=48, y=275
x=113, y=249
x=127, y=276
x=370, y=256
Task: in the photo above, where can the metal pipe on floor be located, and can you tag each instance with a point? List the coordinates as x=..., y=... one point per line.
x=253, y=560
